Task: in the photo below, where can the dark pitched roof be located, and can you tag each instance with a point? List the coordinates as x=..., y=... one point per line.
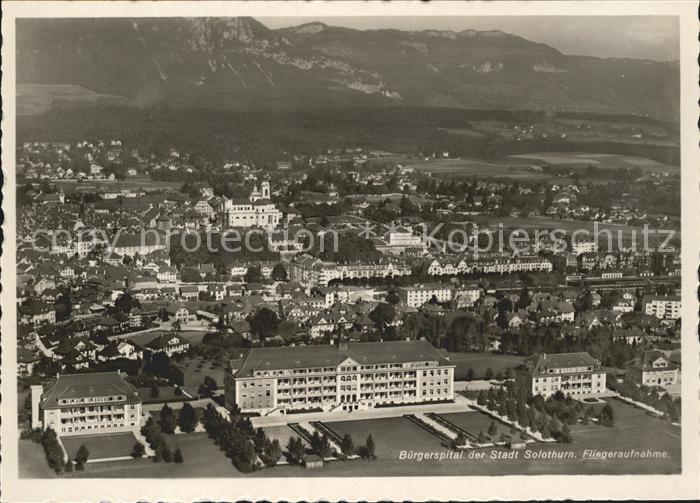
x=540, y=363
x=93, y=385
x=364, y=353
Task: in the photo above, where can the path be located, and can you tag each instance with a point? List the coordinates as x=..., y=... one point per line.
x=460, y=405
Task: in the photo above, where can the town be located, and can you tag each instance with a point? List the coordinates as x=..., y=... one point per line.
x=175, y=319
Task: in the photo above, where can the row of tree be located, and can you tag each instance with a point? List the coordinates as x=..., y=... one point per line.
x=237, y=437
x=154, y=436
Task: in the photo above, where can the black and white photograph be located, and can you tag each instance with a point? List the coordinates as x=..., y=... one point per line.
x=362, y=245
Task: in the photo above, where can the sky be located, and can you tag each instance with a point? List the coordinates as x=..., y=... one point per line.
x=643, y=37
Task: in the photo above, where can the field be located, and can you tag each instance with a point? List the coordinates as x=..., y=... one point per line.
x=202, y=458
x=32, y=461
x=476, y=422
x=391, y=436
x=165, y=394
x=633, y=430
x=146, y=184
x=194, y=374
x=605, y=161
x=101, y=446
x=507, y=168
x=479, y=362
x=281, y=433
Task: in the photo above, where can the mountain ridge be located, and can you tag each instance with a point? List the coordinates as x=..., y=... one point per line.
x=239, y=63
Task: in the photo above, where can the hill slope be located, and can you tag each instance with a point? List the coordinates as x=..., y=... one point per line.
x=239, y=63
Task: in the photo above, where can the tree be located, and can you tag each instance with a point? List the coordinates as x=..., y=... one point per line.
x=481, y=438
x=210, y=383
x=272, y=452
x=489, y=374
x=493, y=429
x=158, y=365
x=279, y=273
x=63, y=306
x=347, y=446
x=264, y=323
x=82, y=454
x=167, y=419
x=606, y=416
x=176, y=376
x=459, y=441
x=296, y=450
x=392, y=297
x=524, y=299
x=253, y=275
x=69, y=466
x=187, y=419
x=177, y=456
x=138, y=451
x=126, y=302
x=79, y=465
x=470, y=374
x=370, y=448
x=383, y=314
x=320, y=444
x=166, y=454
x=566, y=434
x=499, y=376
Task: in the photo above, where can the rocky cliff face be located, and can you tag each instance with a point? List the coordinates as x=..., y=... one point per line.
x=239, y=63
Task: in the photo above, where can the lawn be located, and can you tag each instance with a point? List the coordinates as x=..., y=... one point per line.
x=391, y=436
x=196, y=369
x=507, y=168
x=633, y=429
x=479, y=362
x=101, y=446
x=134, y=183
x=165, y=394
x=32, y=461
x=281, y=433
x=475, y=422
x=605, y=161
x=202, y=458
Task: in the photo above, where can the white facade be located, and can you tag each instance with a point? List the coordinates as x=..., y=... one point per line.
x=416, y=296
x=663, y=307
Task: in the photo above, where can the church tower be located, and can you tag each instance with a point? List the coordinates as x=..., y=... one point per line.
x=265, y=190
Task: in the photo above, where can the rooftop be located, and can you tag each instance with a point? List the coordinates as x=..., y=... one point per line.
x=93, y=385
x=364, y=353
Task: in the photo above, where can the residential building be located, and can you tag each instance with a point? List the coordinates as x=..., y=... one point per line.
x=668, y=308
x=653, y=368
x=416, y=296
